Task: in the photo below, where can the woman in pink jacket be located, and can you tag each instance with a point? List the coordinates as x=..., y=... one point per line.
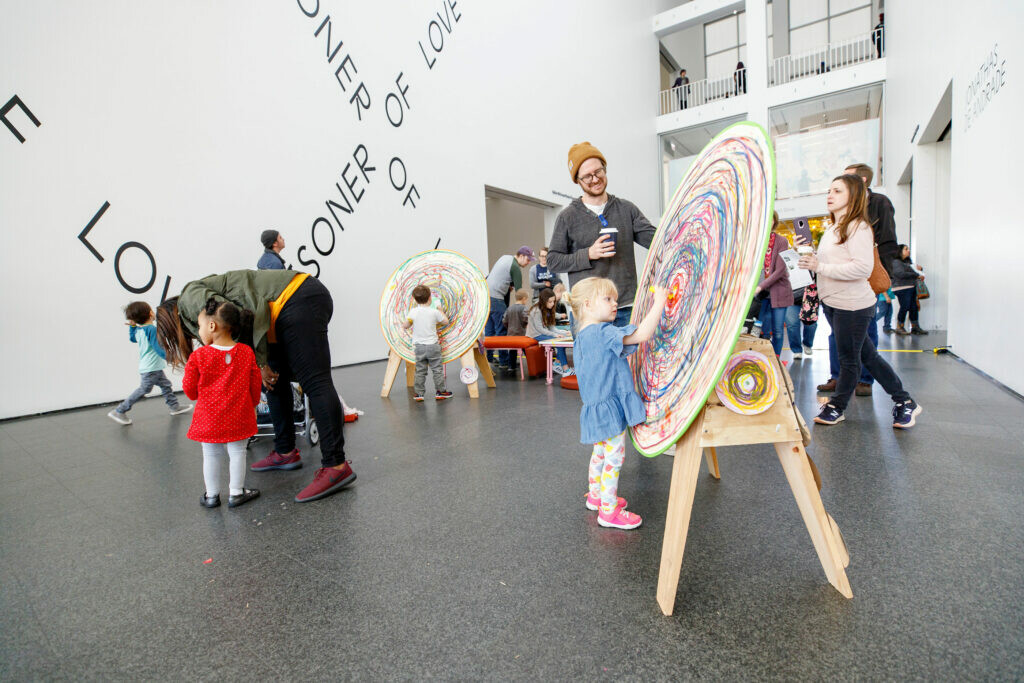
x=843, y=263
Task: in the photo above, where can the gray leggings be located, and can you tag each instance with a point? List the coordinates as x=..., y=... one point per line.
x=149, y=380
x=428, y=354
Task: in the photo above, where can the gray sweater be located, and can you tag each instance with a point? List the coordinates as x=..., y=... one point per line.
x=577, y=228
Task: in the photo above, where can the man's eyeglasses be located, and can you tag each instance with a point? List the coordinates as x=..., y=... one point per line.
x=591, y=177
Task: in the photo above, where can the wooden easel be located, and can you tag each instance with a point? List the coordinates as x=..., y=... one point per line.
x=782, y=426
x=467, y=360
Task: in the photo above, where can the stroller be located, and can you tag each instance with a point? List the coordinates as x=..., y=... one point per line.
x=305, y=425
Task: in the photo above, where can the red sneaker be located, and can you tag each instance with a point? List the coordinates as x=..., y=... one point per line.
x=326, y=481
x=276, y=461
x=351, y=417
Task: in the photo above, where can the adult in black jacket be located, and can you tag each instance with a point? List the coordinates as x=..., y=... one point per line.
x=882, y=218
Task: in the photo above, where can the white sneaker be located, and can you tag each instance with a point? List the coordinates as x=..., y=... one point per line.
x=797, y=356
x=808, y=351
x=557, y=368
x=119, y=418
x=181, y=409
x=569, y=372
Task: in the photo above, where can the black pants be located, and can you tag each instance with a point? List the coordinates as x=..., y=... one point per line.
x=303, y=354
x=908, y=304
x=854, y=348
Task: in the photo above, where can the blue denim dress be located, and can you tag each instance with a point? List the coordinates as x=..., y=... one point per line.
x=610, y=403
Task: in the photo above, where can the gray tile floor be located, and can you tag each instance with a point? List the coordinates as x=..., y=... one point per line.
x=464, y=551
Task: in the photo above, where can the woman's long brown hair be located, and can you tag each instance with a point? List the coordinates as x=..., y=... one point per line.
x=547, y=315
x=172, y=335
x=856, y=206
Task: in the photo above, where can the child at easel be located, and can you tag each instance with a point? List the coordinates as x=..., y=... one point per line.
x=610, y=403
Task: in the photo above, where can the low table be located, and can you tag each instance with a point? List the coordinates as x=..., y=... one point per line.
x=549, y=351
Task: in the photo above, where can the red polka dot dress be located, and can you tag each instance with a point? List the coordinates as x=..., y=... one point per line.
x=225, y=383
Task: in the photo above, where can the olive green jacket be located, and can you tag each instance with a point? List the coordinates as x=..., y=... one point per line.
x=250, y=289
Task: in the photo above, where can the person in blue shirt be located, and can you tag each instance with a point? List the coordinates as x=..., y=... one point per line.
x=152, y=361
x=273, y=244
x=610, y=401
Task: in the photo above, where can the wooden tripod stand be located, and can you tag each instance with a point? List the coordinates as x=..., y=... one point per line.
x=471, y=357
x=784, y=428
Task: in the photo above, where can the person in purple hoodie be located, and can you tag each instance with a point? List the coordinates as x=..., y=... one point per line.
x=775, y=281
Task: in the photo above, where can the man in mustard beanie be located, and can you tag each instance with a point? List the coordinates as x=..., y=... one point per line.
x=594, y=235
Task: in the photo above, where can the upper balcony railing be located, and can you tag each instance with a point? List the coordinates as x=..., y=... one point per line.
x=702, y=92
x=865, y=48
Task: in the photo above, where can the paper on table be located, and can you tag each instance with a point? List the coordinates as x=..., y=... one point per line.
x=798, y=277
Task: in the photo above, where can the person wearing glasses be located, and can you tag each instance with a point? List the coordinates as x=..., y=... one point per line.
x=594, y=235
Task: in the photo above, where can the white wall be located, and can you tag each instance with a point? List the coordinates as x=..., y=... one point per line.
x=203, y=123
x=929, y=43
x=929, y=242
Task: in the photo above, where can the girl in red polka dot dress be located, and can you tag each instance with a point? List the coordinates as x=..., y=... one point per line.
x=224, y=380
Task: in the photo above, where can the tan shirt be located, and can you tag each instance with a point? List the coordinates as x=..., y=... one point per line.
x=843, y=269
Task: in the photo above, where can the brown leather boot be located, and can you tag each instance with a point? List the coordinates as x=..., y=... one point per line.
x=863, y=389
x=828, y=386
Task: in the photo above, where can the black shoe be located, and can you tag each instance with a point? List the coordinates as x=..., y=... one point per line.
x=918, y=331
x=210, y=501
x=242, y=498
x=887, y=330
x=829, y=415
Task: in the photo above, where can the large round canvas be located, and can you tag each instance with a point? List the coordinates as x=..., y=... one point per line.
x=749, y=384
x=708, y=251
x=458, y=288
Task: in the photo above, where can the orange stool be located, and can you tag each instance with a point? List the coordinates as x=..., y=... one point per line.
x=570, y=383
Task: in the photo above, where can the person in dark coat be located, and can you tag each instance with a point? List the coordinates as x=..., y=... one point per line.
x=273, y=244
x=739, y=77
x=680, y=82
x=878, y=35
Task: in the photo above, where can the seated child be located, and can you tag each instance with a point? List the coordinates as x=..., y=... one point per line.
x=541, y=326
x=222, y=376
x=142, y=331
x=561, y=310
x=610, y=401
x=424, y=321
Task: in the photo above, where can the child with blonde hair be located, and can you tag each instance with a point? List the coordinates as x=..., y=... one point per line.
x=610, y=402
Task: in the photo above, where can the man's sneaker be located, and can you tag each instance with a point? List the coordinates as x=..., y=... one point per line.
x=276, y=461
x=620, y=519
x=326, y=481
x=119, y=418
x=828, y=386
x=904, y=414
x=797, y=355
x=181, y=409
x=901, y=331
x=918, y=331
x=210, y=501
x=442, y=395
x=829, y=415
x=808, y=351
x=242, y=498
x=863, y=389
x=418, y=398
x=887, y=329
x=594, y=502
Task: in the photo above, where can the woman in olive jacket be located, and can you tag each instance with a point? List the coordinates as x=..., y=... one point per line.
x=289, y=315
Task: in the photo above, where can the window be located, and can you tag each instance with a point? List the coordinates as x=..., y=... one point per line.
x=725, y=44
x=816, y=23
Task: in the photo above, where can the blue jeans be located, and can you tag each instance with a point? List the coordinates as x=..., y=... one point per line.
x=773, y=322
x=793, y=329
x=563, y=358
x=149, y=380
x=833, y=355
x=883, y=310
x=496, y=328
x=854, y=350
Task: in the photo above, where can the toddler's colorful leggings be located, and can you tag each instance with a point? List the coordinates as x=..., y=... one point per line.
x=605, y=463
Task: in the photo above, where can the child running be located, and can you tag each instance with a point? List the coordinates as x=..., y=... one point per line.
x=152, y=362
x=610, y=404
x=423, y=319
x=225, y=379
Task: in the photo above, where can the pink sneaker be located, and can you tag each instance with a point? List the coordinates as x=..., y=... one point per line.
x=594, y=502
x=620, y=519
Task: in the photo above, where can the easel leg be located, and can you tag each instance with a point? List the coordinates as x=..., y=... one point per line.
x=712, y=458
x=826, y=541
x=467, y=361
x=410, y=374
x=394, y=360
x=485, y=368
x=680, y=502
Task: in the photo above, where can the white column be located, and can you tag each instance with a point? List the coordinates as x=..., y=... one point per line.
x=757, y=60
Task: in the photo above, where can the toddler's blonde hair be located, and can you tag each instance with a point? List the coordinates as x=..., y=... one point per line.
x=522, y=294
x=588, y=290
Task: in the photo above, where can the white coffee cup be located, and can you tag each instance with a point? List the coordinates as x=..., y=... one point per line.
x=805, y=250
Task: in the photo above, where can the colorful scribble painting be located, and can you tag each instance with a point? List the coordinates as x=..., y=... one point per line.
x=708, y=252
x=457, y=287
x=749, y=384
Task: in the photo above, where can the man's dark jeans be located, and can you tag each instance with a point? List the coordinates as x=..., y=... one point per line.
x=302, y=353
x=855, y=348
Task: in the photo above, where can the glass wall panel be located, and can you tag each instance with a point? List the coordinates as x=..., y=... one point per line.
x=679, y=149
x=850, y=25
x=808, y=38
x=720, y=35
x=805, y=11
x=839, y=6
